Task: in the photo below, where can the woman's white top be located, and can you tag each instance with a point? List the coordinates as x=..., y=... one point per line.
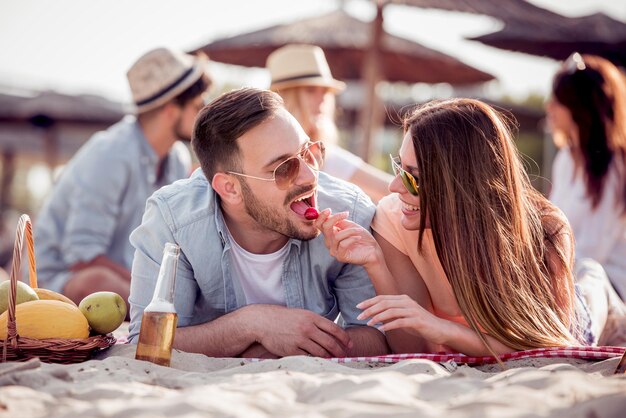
x=340, y=163
x=600, y=233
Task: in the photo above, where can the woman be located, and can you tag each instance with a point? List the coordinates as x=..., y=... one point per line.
x=587, y=115
x=300, y=74
x=466, y=256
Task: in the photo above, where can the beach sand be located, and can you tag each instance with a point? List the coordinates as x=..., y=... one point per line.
x=114, y=384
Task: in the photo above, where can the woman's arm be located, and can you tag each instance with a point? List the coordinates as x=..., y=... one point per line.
x=401, y=312
x=373, y=181
x=350, y=243
x=401, y=277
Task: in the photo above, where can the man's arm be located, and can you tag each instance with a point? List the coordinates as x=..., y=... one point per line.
x=226, y=336
x=103, y=261
x=282, y=331
x=368, y=341
x=95, y=206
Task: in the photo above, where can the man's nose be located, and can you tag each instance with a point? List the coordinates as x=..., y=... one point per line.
x=306, y=173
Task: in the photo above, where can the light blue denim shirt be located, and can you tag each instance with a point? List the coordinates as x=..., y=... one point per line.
x=188, y=213
x=99, y=200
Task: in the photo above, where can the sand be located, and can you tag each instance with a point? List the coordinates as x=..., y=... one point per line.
x=114, y=384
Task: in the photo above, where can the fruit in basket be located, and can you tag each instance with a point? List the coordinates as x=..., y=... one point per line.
x=45, y=294
x=23, y=293
x=41, y=319
x=105, y=311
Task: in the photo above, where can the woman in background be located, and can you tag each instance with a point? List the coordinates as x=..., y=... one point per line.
x=300, y=74
x=466, y=255
x=587, y=115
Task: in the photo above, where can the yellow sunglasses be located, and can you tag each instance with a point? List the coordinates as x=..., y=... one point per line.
x=408, y=179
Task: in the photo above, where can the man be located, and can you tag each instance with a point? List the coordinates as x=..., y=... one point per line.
x=82, y=230
x=254, y=278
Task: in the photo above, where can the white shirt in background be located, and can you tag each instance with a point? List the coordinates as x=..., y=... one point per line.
x=600, y=233
x=340, y=163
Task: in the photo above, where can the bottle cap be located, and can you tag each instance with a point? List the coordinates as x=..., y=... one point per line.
x=171, y=248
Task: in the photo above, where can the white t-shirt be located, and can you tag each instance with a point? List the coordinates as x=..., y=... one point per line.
x=258, y=277
x=340, y=163
x=600, y=233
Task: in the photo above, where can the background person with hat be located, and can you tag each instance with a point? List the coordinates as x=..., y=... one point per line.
x=301, y=76
x=82, y=231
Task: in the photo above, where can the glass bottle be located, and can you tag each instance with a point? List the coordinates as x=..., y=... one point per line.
x=158, y=324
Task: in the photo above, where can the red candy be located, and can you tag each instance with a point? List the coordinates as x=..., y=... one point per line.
x=311, y=213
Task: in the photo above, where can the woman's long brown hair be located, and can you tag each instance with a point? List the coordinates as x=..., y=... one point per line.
x=596, y=98
x=488, y=226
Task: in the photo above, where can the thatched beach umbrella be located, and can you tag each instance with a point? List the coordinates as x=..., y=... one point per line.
x=353, y=51
x=596, y=34
x=45, y=125
x=508, y=11
x=31, y=122
x=537, y=31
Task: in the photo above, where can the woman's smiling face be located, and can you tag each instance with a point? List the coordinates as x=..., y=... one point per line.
x=410, y=203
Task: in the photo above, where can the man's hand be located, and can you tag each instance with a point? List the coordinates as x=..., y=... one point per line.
x=288, y=332
x=256, y=350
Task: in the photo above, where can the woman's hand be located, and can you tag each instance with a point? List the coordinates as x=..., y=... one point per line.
x=402, y=312
x=347, y=241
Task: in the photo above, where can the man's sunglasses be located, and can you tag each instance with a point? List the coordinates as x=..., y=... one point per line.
x=408, y=179
x=286, y=172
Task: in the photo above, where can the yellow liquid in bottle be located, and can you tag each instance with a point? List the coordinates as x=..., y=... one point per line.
x=156, y=337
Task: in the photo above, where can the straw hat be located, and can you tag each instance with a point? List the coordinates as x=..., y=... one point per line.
x=160, y=75
x=300, y=65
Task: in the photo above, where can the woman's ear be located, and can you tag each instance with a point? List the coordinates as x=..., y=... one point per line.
x=227, y=188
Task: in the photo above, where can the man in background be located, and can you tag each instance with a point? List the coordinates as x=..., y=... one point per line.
x=82, y=231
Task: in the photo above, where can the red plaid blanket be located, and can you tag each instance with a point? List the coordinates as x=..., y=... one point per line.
x=588, y=353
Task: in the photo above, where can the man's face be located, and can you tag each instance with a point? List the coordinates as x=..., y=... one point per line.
x=183, y=127
x=262, y=150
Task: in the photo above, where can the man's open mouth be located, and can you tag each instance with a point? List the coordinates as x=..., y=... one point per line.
x=302, y=203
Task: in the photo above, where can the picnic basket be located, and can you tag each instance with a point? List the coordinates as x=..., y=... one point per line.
x=52, y=350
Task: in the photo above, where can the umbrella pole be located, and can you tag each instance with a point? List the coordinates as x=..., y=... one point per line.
x=370, y=115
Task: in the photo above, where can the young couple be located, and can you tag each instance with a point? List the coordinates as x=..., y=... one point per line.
x=465, y=254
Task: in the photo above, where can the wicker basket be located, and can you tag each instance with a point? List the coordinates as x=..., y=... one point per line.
x=52, y=350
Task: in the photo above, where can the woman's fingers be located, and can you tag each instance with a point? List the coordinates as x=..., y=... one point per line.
x=319, y=222
x=326, y=223
x=376, y=309
x=377, y=299
x=389, y=315
x=395, y=324
x=342, y=234
x=328, y=226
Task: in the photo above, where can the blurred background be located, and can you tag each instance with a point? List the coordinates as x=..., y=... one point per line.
x=63, y=66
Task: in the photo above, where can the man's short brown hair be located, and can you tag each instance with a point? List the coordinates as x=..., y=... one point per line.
x=221, y=122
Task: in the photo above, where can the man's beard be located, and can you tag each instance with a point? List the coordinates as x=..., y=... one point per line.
x=270, y=218
x=179, y=132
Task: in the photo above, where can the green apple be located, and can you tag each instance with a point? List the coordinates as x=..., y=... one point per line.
x=105, y=311
x=23, y=293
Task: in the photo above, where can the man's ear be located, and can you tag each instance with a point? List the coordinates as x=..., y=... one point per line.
x=227, y=187
x=172, y=109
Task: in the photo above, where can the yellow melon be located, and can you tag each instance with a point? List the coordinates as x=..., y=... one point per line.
x=41, y=319
x=45, y=294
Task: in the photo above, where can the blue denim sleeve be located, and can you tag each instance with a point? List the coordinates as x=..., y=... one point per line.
x=353, y=285
x=99, y=180
x=149, y=239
